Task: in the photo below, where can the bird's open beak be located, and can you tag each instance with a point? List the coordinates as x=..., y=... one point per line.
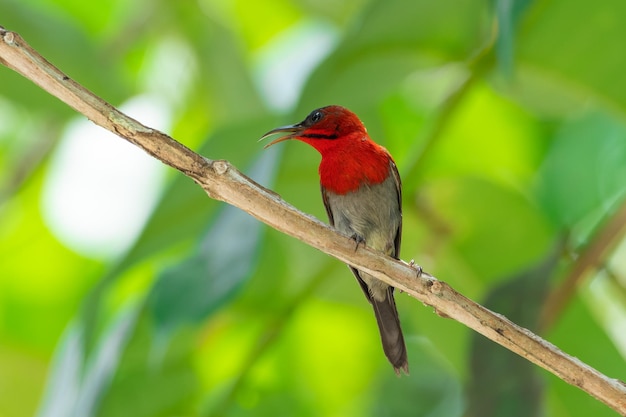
x=291, y=130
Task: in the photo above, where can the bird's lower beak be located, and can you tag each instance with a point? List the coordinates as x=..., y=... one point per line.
x=291, y=130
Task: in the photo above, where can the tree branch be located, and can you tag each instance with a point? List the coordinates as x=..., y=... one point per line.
x=224, y=182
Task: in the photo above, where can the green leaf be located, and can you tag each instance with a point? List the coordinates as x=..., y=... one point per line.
x=573, y=48
x=488, y=137
x=495, y=229
x=63, y=386
x=184, y=211
x=432, y=389
x=191, y=290
x=224, y=78
x=143, y=387
x=503, y=384
x=391, y=40
x=508, y=13
x=76, y=385
x=87, y=63
x=584, y=169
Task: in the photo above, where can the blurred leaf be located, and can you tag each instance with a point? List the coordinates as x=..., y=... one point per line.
x=279, y=17
x=100, y=368
x=337, y=12
x=328, y=338
x=584, y=170
x=182, y=214
x=185, y=210
x=224, y=79
x=400, y=120
x=39, y=276
x=508, y=13
x=319, y=343
x=191, y=290
x=391, y=40
x=143, y=387
x=503, y=384
x=493, y=242
x=21, y=380
x=63, y=387
x=75, y=387
x=86, y=64
x=431, y=390
x=580, y=336
x=572, y=45
x=387, y=25
x=490, y=137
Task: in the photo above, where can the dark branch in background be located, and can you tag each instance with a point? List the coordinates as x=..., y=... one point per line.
x=590, y=259
x=482, y=62
x=271, y=332
x=616, y=282
x=224, y=182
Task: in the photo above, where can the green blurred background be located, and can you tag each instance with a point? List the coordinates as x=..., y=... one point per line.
x=125, y=291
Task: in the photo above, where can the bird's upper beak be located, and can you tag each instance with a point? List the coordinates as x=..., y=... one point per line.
x=291, y=130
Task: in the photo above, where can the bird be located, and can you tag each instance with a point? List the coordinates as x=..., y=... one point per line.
x=362, y=194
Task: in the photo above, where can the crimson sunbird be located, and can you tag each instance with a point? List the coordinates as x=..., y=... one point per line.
x=362, y=194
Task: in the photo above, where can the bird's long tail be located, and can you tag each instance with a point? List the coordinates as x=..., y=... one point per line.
x=390, y=332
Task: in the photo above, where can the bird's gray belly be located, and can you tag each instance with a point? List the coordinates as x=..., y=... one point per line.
x=372, y=214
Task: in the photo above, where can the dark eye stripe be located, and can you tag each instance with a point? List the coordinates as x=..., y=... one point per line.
x=319, y=136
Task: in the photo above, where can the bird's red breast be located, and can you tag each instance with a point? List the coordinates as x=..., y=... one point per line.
x=359, y=161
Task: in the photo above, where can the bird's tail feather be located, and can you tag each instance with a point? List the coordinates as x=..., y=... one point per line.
x=390, y=332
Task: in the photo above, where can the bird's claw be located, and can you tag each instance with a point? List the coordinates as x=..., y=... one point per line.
x=417, y=268
x=358, y=239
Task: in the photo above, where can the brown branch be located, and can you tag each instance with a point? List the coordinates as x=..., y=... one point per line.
x=224, y=182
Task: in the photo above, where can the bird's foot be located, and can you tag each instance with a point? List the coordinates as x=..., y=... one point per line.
x=358, y=239
x=418, y=269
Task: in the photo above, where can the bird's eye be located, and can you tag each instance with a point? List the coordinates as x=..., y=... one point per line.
x=316, y=116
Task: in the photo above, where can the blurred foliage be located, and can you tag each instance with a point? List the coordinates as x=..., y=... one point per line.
x=506, y=119
x=520, y=299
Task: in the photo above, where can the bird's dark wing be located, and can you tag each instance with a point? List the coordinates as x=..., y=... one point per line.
x=398, y=182
x=331, y=220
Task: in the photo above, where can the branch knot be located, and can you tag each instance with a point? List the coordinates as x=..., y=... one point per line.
x=220, y=167
x=9, y=37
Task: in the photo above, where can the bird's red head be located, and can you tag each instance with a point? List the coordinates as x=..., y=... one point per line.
x=323, y=128
x=349, y=157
